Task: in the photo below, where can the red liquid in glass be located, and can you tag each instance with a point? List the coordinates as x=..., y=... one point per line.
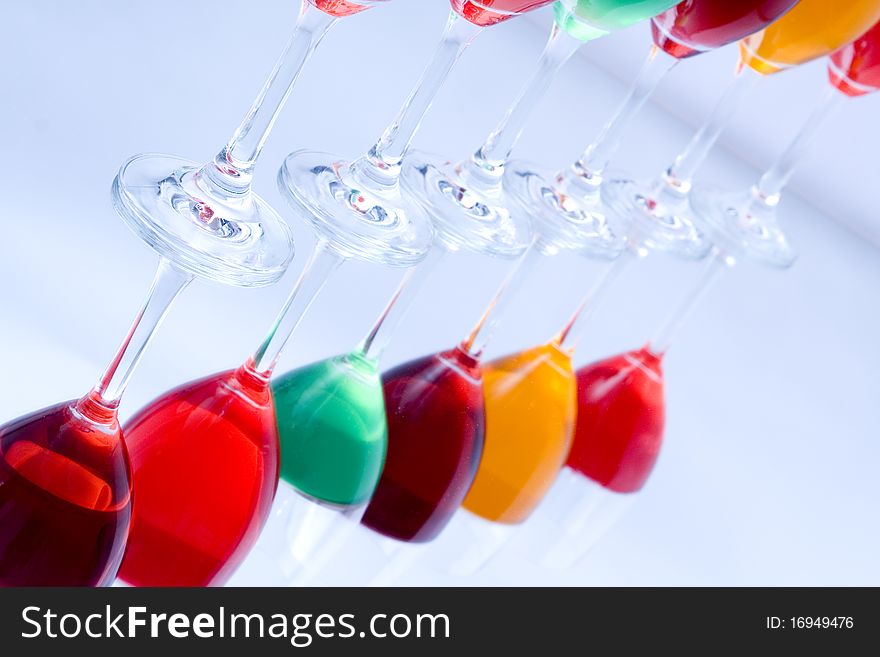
x=855, y=68
x=436, y=421
x=695, y=26
x=205, y=467
x=338, y=7
x=65, y=500
x=619, y=420
x=489, y=12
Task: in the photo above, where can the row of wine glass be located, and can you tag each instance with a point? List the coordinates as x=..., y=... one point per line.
x=400, y=452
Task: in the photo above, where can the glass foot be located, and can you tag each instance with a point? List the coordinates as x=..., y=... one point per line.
x=237, y=239
x=742, y=224
x=481, y=218
x=661, y=221
x=370, y=222
x=566, y=222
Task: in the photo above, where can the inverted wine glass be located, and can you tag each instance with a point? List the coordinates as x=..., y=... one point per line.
x=809, y=30
x=617, y=439
x=682, y=32
x=181, y=532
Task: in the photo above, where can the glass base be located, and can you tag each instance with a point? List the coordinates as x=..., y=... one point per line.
x=481, y=218
x=237, y=239
x=661, y=221
x=566, y=222
x=365, y=221
x=743, y=225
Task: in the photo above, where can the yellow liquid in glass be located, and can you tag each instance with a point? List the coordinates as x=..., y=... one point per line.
x=531, y=401
x=811, y=29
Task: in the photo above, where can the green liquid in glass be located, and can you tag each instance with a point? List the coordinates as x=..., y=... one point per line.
x=332, y=428
x=590, y=19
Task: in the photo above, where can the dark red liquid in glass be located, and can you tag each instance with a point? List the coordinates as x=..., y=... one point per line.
x=205, y=467
x=436, y=423
x=855, y=68
x=695, y=26
x=620, y=420
x=65, y=499
x=489, y=12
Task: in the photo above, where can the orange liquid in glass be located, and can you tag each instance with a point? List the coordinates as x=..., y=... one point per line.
x=530, y=400
x=811, y=29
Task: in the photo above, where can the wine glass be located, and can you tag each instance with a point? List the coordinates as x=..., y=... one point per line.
x=225, y=424
x=66, y=493
x=684, y=31
x=618, y=436
x=618, y=433
x=810, y=29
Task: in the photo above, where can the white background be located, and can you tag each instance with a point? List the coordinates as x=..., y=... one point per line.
x=768, y=474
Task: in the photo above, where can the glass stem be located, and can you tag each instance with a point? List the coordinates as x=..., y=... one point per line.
x=233, y=166
x=323, y=262
x=681, y=174
x=382, y=162
x=769, y=188
x=717, y=263
x=570, y=336
x=478, y=339
x=167, y=284
x=375, y=342
x=588, y=171
x=495, y=151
